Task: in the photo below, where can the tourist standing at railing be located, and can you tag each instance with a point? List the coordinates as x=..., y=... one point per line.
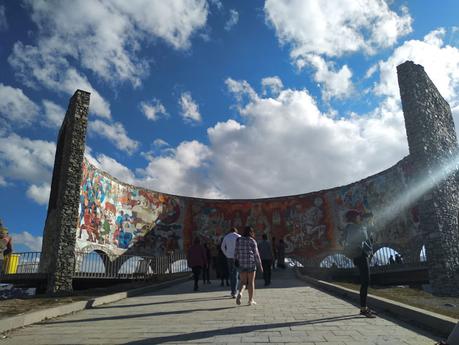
x=197, y=260
x=359, y=247
x=266, y=254
x=228, y=246
x=247, y=258
x=6, y=246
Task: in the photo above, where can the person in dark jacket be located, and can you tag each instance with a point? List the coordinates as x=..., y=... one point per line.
x=206, y=269
x=197, y=259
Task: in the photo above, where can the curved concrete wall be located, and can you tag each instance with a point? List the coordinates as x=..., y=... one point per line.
x=118, y=218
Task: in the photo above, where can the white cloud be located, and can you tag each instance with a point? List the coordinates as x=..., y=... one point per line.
x=317, y=31
x=40, y=194
x=336, y=27
x=182, y=171
x=45, y=66
x=217, y=3
x=3, y=21
x=189, y=108
x=241, y=89
x=288, y=146
x=335, y=83
x=153, y=110
x=3, y=182
x=115, y=169
x=27, y=239
x=115, y=133
x=26, y=159
x=271, y=85
x=54, y=114
x=158, y=143
x=232, y=20
x=16, y=107
x=106, y=36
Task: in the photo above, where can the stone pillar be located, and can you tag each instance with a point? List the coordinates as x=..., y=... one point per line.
x=59, y=236
x=432, y=143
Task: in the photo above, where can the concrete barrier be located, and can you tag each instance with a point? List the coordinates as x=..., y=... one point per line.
x=436, y=323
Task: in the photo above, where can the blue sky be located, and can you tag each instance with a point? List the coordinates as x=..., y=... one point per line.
x=210, y=98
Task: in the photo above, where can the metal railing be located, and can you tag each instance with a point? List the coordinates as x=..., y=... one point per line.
x=95, y=265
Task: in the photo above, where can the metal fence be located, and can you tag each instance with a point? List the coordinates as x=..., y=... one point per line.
x=95, y=265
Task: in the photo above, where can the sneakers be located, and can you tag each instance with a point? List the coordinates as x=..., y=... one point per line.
x=238, y=299
x=252, y=302
x=368, y=313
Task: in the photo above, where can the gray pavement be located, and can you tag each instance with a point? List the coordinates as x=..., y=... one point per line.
x=288, y=312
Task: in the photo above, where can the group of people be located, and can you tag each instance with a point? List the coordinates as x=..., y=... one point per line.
x=237, y=261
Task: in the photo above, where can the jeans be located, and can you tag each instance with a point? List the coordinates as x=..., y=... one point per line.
x=233, y=275
x=362, y=263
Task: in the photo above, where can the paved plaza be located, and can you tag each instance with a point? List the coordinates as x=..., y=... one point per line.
x=288, y=312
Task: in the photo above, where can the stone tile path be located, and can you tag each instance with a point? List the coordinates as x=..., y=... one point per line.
x=288, y=312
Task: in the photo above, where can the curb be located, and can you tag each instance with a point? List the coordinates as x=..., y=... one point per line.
x=438, y=324
x=29, y=318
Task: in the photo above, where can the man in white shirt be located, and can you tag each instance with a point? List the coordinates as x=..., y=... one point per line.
x=228, y=248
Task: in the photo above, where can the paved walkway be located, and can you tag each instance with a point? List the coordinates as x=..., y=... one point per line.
x=288, y=311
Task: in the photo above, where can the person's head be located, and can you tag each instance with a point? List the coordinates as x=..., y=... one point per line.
x=353, y=216
x=234, y=229
x=3, y=232
x=248, y=232
x=196, y=241
x=264, y=237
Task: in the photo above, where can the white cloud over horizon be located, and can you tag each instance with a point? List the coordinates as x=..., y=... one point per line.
x=27, y=239
x=40, y=194
x=115, y=133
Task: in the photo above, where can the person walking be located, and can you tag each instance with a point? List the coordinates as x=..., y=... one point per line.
x=281, y=254
x=228, y=246
x=247, y=256
x=206, y=269
x=359, y=247
x=222, y=267
x=274, y=253
x=197, y=259
x=266, y=255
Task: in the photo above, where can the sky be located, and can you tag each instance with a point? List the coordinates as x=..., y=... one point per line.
x=213, y=98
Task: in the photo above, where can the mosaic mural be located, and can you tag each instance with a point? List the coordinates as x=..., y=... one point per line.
x=121, y=218
x=118, y=217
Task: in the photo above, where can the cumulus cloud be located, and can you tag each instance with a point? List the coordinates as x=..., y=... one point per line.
x=27, y=239
x=181, y=171
x=232, y=20
x=26, y=159
x=115, y=133
x=40, y=194
x=106, y=36
x=317, y=31
x=115, y=168
x=16, y=107
x=54, y=114
x=189, y=108
x=43, y=65
x=153, y=110
x=271, y=85
x=3, y=21
x=158, y=143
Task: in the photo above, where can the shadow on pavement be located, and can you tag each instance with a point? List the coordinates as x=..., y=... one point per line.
x=120, y=317
x=189, y=300
x=236, y=330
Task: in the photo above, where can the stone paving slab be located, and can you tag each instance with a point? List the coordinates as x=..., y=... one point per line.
x=288, y=312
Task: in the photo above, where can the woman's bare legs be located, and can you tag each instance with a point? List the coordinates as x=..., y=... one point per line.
x=243, y=277
x=251, y=285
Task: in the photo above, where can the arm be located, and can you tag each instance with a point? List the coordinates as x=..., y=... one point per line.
x=223, y=246
x=257, y=255
x=236, y=250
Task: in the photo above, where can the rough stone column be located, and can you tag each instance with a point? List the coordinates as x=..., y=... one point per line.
x=432, y=142
x=58, y=249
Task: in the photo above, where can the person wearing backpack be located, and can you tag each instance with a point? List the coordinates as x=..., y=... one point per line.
x=358, y=246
